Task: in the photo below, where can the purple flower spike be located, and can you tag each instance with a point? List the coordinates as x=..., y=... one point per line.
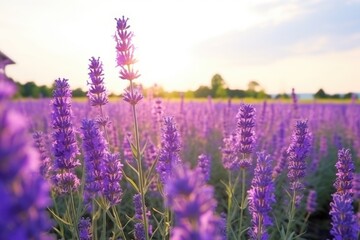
x=85, y=229
x=245, y=128
x=170, y=148
x=113, y=176
x=204, y=166
x=95, y=153
x=139, y=232
x=229, y=156
x=356, y=186
x=125, y=50
x=311, y=203
x=97, y=92
x=133, y=97
x=343, y=219
x=261, y=197
x=65, y=147
x=46, y=164
x=193, y=205
x=24, y=193
x=298, y=151
x=344, y=176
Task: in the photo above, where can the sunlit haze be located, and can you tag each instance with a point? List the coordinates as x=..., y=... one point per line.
x=180, y=45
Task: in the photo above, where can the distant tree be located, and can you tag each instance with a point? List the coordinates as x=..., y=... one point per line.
x=218, y=86
x=78, y=92
x=30, y=89
x=45, y=91
x=282, y=96
x=321, y=94
x=253, y=86
x=202, y=92
x=348, y=95
x=236, y=93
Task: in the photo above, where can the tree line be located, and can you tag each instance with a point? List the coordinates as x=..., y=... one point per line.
x=217, y=89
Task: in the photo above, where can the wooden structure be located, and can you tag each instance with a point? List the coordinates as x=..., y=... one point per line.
x=4, y=60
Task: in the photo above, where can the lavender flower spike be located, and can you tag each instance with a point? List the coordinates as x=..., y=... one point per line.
x=95, y=153
x=193, y=205
x=65, y=147
x=97, y=92
x=139, y=232
x=245, y=130
x=204, y=166
x=85, y=229
x=24, y=193
x=261, y=197
x=345, y=170
x=343, y=219
x=298, y=151
x=125, y=50
x=311, y=201
x=170, y=148
x=113, y=176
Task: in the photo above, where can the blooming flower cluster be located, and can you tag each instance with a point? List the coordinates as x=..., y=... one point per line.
x=204, y=166
x=65, y=148
x=170, y=148
x=298, y=151
x=261, y=197
x=193, y=205
x=46, y=164
x=125, y=50
x=97, y=92
x=95, y=154
x=343, y=219
x=24, y=193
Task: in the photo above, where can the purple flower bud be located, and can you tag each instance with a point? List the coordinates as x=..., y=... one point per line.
x=46, y=164
x=311, y=203
x=113, y=176
x=204, y=166
x=193, y=205
x=229, y=157
x=261, y=197
x=125, y=50
x=298, y=151
x=356, y=186
x=85, y=229
x=65, y=147
x=24, y=193
x=344, y=176
x=97, y=92
x=139, y=232
x=170, y=148
x=343, y=219
x=281, y=164
x=133, y=97
x=245, y=128
x=95, y=154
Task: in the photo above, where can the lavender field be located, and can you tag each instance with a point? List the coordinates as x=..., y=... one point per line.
x=151, y=168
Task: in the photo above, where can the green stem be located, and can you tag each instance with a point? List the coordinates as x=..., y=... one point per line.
x=291, y=215
x=118, y=221
x=74, y=216
x=242, y=203
x=229, y=205
x=103, y=232
x=139, y=165
x=94, y=220
x=57, y=213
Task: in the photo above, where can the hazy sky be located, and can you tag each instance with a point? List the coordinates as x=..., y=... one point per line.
x=181, y=44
